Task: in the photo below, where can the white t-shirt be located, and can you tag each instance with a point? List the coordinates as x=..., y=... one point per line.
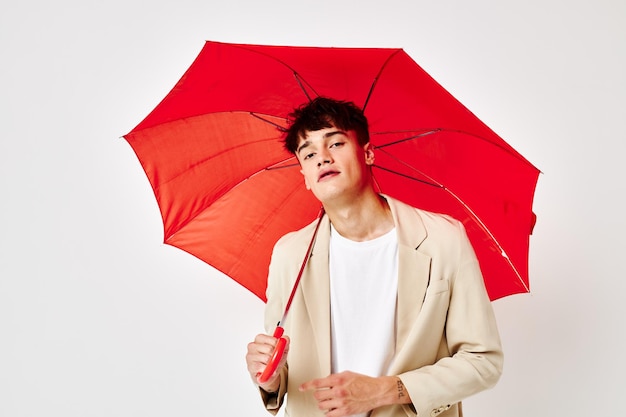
x=363, y=293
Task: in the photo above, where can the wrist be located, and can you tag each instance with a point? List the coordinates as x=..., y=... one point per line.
x=397, y=392
x=272, y=386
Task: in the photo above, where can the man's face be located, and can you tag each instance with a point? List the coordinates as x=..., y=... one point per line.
x=333, y=164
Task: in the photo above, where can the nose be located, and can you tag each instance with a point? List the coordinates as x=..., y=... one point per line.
x=323, y=158
x=322, y=162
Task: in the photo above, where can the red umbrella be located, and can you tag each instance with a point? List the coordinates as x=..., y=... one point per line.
x=227, y=190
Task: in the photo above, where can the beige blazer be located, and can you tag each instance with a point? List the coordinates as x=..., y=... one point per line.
x=447, y=342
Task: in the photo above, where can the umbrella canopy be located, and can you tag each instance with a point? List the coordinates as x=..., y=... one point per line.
x=227, y=190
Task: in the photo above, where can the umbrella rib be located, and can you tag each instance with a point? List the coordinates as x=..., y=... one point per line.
x=205, y=160
x=279, y=166
x=433, y=184
x=297, y=76
x=432, y=131
x=382, y=68
x=300, y=81
x=471, y=212
x=192, y=216
x=491, y=236
x=230, y=190
x=263, y=119
x=419, y=135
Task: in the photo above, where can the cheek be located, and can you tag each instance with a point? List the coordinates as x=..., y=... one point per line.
x=306, y=180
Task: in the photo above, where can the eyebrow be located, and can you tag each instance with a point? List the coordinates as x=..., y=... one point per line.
x=327, y=135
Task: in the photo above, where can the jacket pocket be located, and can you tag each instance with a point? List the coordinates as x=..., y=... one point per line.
x=437, y=287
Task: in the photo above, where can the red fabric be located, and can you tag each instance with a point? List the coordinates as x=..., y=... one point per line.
x=206, y=149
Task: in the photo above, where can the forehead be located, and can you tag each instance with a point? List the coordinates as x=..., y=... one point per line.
x=323, y=134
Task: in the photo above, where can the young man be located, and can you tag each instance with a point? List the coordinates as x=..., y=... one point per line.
x=391, y=317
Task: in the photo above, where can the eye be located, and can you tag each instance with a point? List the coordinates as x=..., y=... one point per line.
x=337, y=144
x=308, y=155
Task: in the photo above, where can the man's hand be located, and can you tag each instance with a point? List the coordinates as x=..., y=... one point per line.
x=348, y=393
x=259, y=354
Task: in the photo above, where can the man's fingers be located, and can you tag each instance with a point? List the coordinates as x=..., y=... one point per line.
x=316, y=384
x=265, y=339
x=259, y=352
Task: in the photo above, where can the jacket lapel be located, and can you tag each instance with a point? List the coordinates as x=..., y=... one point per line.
x=413, y=269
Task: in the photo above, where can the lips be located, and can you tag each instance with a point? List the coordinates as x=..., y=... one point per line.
x=326, y=174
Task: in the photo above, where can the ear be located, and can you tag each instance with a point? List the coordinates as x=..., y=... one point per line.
x=306, y=182
x=369, y=153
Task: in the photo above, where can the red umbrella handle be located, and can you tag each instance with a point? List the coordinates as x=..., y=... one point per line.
x=279, y=350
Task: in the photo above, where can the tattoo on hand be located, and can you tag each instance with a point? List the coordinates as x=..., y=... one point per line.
x=400, y=389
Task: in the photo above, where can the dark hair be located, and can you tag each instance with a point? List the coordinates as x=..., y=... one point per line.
x=324, y=112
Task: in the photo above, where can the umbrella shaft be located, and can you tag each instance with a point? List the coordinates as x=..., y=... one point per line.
x=304, y=262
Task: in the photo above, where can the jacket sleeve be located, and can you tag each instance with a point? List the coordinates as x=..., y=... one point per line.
x=470, y=357
x=274, y=400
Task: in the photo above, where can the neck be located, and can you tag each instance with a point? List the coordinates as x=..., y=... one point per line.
x=365, y=219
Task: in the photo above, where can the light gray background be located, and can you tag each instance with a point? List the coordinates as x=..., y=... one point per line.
x=99, y=318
